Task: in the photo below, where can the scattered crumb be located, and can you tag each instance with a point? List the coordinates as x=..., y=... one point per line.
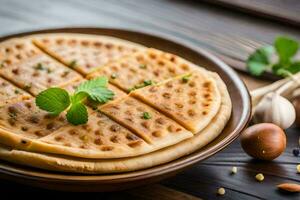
x=260, y=177
x=234, y=170
x=221, y=191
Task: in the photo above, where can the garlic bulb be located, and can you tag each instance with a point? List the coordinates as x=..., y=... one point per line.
x=295, y=93
x=275, y=109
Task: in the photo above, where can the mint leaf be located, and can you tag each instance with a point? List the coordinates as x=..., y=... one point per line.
x=77, y=114
x=282, y=72
x=78, y=97
x=56, y=100
x=294, y=67
x=53, y=100
x=259, y=61
x=95, y=83
x=286, y=48
x=101, y=94
x=96, y=90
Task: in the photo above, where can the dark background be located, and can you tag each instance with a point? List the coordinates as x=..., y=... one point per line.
x=230, y=32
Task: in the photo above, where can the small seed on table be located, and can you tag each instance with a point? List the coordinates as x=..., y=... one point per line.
x=234, y=170
x=298, y=168
x=260, y=177
x=221, y=191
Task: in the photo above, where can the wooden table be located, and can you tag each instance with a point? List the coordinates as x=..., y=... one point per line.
x=230, y=34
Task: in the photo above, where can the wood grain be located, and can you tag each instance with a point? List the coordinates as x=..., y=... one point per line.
x=229, y=33
x=284, y=11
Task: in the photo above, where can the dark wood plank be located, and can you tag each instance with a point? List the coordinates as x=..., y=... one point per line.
x=215, y=173
x=159, y=192
x=286, y=11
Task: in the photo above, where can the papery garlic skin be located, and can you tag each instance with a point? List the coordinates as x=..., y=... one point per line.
x=275, y=109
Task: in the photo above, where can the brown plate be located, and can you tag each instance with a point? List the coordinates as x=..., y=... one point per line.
x=239, y=119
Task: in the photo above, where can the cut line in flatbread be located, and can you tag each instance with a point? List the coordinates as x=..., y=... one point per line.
x=23, y=126
x=30, y=69
x=82, y=52
x=146, y=122
x=192, y=99
x=22, y=120
x=89, y=166
x=10, y=93
x=143, y=67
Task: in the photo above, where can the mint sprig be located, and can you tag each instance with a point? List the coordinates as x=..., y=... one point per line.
x=285, y=48
x=57, y=100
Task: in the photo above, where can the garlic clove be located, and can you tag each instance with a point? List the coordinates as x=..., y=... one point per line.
x=295, y=93
x=275, y=109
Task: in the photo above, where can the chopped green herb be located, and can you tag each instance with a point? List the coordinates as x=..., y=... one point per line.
x=138, y=86
x=65, y=73
x=17, y=91
x=56, y=100
x=12, y=114
x=284, y=49
x=146, y=115
x=49, y=70
x=73, y=64
x=186, y=78
x=27, y=87
x=131, y=89
x=114, y=76
x=39, y=66
x=148, y=82
x=143, y=66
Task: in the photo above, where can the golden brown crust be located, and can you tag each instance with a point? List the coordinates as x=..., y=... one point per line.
x=10, y=93
x=30, y=69
x=83, y=52
x=125, y=133
x=133, y=70
x=192, y=99
x=146, y=122
x=88, y=166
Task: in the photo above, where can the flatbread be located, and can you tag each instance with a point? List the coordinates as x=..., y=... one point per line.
x=152, y=126
x=125, y=134
x=132, y=71
x=24, y=126
x=10, y=93
x=99, y=138
x=83, y=52
x=23, y=120
x=192, y=99
x=70, y=164
x=30, y=69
